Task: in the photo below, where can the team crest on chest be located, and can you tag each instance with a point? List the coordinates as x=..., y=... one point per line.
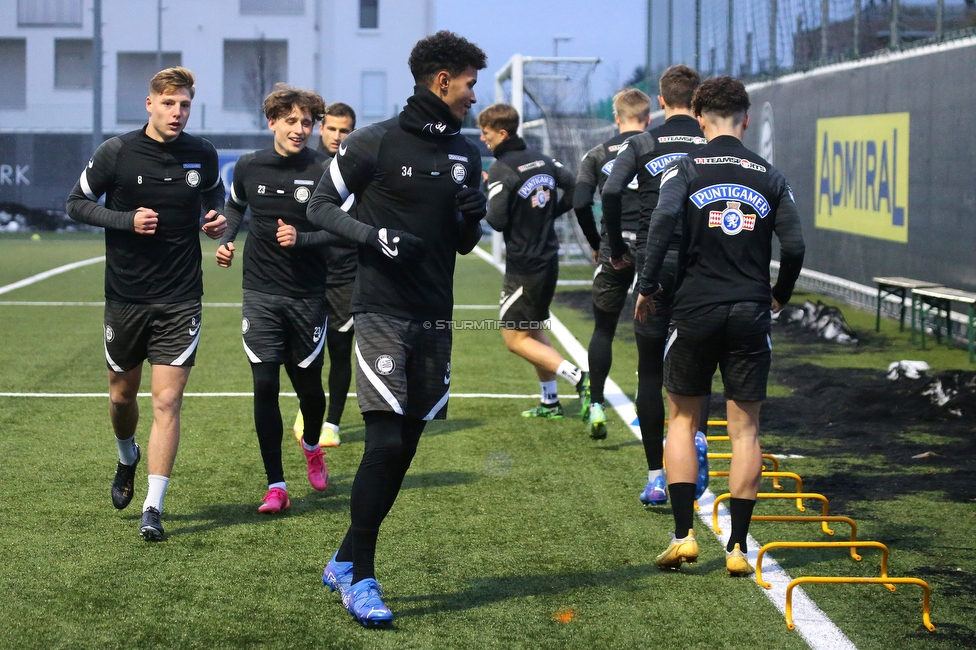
x=193, y=178
x=302, y=194
x=540, y=198
x=459, y=173
x=731, y=220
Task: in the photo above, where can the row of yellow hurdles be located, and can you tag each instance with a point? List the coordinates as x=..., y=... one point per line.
x=824, y=518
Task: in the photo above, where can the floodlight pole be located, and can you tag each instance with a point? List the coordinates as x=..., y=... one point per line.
x=96, y=74
x=159, y=35
x=647, y=53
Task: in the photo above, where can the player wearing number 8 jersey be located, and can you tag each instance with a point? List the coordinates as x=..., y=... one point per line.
x=156, y=181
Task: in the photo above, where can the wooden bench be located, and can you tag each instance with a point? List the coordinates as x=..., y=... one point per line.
x=936, y=300
x=901, y=287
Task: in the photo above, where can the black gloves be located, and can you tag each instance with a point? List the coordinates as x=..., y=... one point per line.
x=471, y=203
x=398, y=245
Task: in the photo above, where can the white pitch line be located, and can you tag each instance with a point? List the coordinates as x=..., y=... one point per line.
x=247, y=394
x=48, y=303
x=810, y=622
x=47, y=274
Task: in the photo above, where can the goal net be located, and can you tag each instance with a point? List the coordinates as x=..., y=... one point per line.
x=552, y=96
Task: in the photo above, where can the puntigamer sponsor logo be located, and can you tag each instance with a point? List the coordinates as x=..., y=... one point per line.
x=733, y=191
x=539, y=180
x=862, y=175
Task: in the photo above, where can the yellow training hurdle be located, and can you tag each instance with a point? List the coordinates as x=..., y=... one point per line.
x=820, y=518
x=853, y=545
x=926, y=613
x=769, y=457
x=775, y=476
x=774, y=495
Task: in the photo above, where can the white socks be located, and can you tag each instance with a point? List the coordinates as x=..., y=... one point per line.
x=654, y=473
x=157, y=490
x=280, y=485
x=306, y=447
x=550, y=394
x=127, y=450
x=569, y=372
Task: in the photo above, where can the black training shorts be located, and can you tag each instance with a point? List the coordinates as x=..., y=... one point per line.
x=525, y=299
x=734, y=337
x=339, y=298
x=611, y=286
x=282, y=329
x=402, y=366
x=656, y=326
x=166, y=334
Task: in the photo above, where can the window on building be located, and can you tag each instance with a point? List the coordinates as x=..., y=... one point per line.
x=374, y=94
x=369, y=14
x=135, y=69
x=290, y=7
x=72, y=63
x=13, y=72
x=251, y=69
x=49, y=13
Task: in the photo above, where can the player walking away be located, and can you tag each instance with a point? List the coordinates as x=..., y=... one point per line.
x=522, y=205
x=339, y=121
x=730, y=202
x=647, y=155
x=632, y=113
x=414, y=178
x=285, y=270
x=155, y=181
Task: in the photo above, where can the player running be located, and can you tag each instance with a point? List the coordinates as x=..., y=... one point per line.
x=631, y=113
x=647, y=155
x=729, y=202
x=414, y=178
x=155, y=181
x=285, y=271
x=523, y=205
x=339, y=121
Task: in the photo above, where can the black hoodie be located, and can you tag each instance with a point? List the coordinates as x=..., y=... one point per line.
x=405, y=173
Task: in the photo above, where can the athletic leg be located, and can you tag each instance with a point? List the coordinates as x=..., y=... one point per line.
x=745, y=472
x=123, y=410
x=267, y=418
x=600, y=351
x=340, y=371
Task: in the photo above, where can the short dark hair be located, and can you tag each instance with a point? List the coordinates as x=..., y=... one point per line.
x=284, y=98
x=338, y=109
x=444, y=51
x=722, y=96
x=678, y=84
x=500, y=117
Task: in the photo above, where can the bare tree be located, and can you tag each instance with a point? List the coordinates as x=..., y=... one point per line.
x=264, y=69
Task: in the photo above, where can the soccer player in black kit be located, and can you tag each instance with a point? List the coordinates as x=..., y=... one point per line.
x=285, y=270
x=647, y=155
x=415, y=179
x=155, y=181
x=631, y=113
x=729, y=202
x=337, y=123
x=523, y=206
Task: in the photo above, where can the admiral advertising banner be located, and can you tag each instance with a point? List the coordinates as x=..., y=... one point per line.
x=881, y=156
x=861, y=182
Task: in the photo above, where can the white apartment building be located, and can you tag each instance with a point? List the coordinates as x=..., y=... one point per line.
x=354, y=51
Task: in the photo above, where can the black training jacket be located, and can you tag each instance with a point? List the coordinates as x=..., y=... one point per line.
x=177, y=179
x=729, y=202
x=595, y=169
x=647, y=155
x=405, y=174
x=523, y=204
x=278, y=187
